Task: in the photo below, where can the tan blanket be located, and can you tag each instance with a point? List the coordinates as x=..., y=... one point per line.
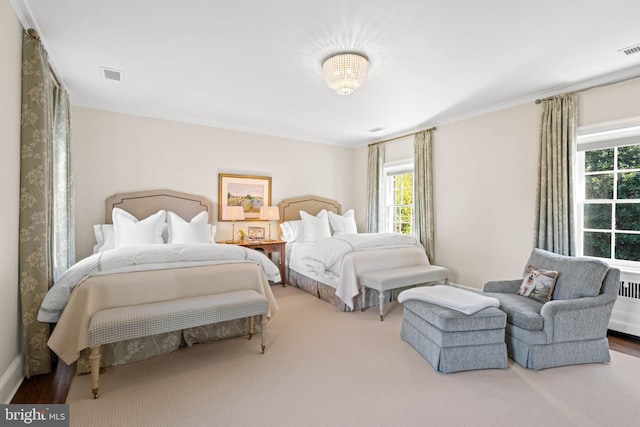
x=71, y=334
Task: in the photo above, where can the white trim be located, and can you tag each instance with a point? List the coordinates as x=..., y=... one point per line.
x=11, y=380
x=626, y=316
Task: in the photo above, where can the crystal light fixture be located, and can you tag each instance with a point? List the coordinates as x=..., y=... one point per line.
x=345, y=72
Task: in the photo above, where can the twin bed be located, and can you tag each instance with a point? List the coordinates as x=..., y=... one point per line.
x=331, y=268
x=113, y=276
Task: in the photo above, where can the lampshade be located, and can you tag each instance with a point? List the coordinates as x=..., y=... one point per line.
x=345, y=72
x=269, y=213
x=233, y=213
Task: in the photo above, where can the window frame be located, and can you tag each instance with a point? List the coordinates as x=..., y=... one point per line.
x=389, y=169
x=590, y=138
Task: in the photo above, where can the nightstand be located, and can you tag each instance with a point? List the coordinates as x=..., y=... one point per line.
x=269, y=247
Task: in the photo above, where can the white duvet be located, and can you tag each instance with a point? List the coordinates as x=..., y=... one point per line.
x=144, y=258
x=340, y=260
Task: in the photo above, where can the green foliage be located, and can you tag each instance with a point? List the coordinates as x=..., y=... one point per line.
x=628, y=246
x=629, y=185
x=597, y=244
x=628, y=216
x=599, y=186
x=598, y=160
x=629, y=157
x=597, y=216
x=403, y=201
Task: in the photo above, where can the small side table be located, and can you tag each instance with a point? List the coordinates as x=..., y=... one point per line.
x=269, y=247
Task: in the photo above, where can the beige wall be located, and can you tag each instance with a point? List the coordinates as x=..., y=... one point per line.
x=10, y=52
x=119, y=152
x=485, y=182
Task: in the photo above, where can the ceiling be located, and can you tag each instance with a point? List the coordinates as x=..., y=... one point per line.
x=255, y=65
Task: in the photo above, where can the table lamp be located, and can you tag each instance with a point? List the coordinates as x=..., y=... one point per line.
x=269, y=213
x=233, y=214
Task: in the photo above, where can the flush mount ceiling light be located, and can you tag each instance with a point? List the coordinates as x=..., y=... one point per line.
x=345, y=72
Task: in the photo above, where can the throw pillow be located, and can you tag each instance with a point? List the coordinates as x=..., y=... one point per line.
x=131, y=232
x=315, y=227
x=345, y=224
x=292, y=231
x=538, y=284
x=195, y=231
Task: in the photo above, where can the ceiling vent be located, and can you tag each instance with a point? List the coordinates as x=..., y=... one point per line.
x=630, y=50
x=111, y=74
x=374, y=130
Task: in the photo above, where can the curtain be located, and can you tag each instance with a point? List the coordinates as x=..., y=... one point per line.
x=35, y=261
x=555, y=225
x=375, y=168
x=423, y=192
x=64, y=252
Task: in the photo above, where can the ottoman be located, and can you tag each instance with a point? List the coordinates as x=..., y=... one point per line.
x=453, y=341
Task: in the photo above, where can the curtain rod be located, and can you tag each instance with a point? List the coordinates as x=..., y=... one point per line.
x=401, y=136
x=538, y=101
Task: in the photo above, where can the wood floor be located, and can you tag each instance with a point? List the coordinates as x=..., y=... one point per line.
x=53, y=388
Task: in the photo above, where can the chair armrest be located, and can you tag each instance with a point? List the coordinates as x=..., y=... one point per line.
x=502, y=286
x=577, y=319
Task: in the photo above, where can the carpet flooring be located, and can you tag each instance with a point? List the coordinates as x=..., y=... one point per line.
x=324, y=367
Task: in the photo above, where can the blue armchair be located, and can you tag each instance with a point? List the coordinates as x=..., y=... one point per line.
x=572, y=327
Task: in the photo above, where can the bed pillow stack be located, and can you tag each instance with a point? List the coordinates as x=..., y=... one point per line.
x=345, y=224
x=311, y=228
x=127, y=230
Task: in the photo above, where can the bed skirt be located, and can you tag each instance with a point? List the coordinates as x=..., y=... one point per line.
x=328, y=293
x=134, y=350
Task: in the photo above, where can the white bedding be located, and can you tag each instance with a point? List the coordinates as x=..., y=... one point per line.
x=145, y=258
x=338, y=261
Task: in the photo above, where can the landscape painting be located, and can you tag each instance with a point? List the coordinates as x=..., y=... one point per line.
x=250, y=192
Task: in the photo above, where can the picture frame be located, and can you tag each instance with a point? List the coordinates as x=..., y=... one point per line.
x=255, y=233
x=250, y=192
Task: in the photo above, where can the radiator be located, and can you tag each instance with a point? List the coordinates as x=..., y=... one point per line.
x=626, y=312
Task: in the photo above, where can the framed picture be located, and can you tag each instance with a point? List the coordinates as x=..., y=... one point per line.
x=255, y=233
x=250, y=192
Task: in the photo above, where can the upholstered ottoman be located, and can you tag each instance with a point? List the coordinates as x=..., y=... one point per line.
x=453, y=341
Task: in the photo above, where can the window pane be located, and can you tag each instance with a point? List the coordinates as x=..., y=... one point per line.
x=628, y=216
x=629, y=157
x=628, y=246
x=629, y=185
x=597, y=244
x=598, y=160
x=599, y=186
x=597, y=216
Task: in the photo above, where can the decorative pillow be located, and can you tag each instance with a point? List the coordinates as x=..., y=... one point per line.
x=195, y=231
x=315, y=227
x=292, y=231
x=345, y=224
x=131, y=232
x=538, y=284
x=105, y=237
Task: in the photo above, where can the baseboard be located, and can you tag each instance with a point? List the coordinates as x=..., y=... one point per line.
x=11, y=380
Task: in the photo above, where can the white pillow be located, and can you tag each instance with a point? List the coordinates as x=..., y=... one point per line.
x=195, y=231
x=292, y=231
x=315, y=227
x=131, y=232
x=345, y=224
x=105, y=237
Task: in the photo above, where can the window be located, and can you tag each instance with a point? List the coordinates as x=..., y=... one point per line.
x=398, y=197
x=608, y=195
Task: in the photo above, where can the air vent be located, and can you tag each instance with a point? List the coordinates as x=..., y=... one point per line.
x=111, y=74
x=630, y=50
x=629, y=290
x=374, y=130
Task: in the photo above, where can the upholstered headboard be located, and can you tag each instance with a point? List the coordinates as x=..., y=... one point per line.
x=290, y=208
x=141, y=204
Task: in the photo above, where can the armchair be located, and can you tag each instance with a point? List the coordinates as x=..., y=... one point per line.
x=572, y=327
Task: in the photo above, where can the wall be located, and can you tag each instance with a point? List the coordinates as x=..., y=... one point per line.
x=119, y=153
x=485, y=182
x=11, y=369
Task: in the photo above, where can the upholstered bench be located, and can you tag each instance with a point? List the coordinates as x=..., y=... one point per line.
x=453, y=341
x=136, y=321
x=396, y=278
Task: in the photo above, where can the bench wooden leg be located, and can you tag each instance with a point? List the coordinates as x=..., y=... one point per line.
x=363, y=291
x=250, y=327
x=94, y=358
x=263, y=327
x=381, y=299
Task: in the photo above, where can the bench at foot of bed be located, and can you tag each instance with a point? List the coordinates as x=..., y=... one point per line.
x=122, y=323
x=385, y=280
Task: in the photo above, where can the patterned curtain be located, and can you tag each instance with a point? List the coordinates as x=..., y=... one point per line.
x=35, y=264
x=423, y=191
x=555, y=225
x=64, y=249
x=374, y=186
